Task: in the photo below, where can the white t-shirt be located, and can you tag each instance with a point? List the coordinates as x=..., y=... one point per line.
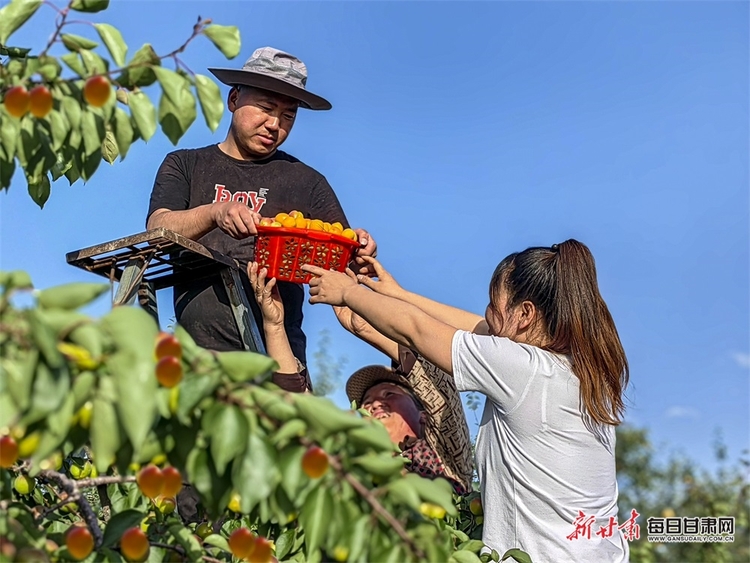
x=538, y=463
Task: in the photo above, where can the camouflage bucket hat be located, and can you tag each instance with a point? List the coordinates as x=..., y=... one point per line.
x=276, y=71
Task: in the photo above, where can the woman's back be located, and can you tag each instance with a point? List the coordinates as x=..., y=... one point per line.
x=540, y=464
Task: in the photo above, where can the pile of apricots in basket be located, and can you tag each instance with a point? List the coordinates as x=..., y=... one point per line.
x=296, y=220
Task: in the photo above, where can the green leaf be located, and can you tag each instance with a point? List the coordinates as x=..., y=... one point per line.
x=212, y=487
x=187, y=540
x=360, y=533
x=211, y=101
x=7, y=169
x=14, y=52
x=77, y=43
x=245, y=366
x=255, y=473
x=74, y=63
x=90, y=163
x=71, y=296
x=139, y=71
x=10, y=130
x=90, y=337
x=123, y=131
x=193, y=389
x=144, y=114
x=59, y=127
x=517, y=554
x=118, y=524
x=92, y=129
x=90, y=6
x=274, y=404
x=14, y=15
x=219, y=541
x=105, y=433
x=472, y=545
x=383, y=465
x=45, y=339
x=19, y=375
x=175, y=120
x=464, y=557
x=284, y=544
x=291, y=429
x=72, y=109
x=112, y=39
x=109, y=147
x=404, y=493
x=228, y=436
x=49, y=391
x=371, y=436
x=49, y=68
x=314, y=518
x=225, y=37
x=82, y=386
x=172, y=84
x=39, y=189
x=437, y=491
x=290, y=465
x=93, y=63
x=324, y=417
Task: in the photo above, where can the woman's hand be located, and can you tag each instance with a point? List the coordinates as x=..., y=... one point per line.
x=266, y=294
x=386, y=284
x=351, y=321
x=328, y=286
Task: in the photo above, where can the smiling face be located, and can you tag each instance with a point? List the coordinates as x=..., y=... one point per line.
x=261, y=122
x=395, y=408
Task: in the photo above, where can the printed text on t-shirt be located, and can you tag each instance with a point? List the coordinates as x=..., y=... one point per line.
x=251, y=199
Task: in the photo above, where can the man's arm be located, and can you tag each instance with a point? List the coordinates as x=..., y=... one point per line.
x=234, y=218
x=364, y=331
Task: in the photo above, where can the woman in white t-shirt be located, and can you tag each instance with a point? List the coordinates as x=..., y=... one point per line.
x=549, y=360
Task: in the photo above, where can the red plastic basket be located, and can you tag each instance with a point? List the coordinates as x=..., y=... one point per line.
x=282, y=250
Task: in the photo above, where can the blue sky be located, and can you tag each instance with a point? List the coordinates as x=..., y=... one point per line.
x=461, y=132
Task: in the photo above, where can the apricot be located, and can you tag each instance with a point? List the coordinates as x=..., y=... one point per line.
x=134, y=544
x=97, y=91
x=350, y=234
x=79, y=541
x=167, y=345
x=40, y=101
x=17, y=101
x=172, y=481
x=261, y=551
x=475, y=506
x=150, y=481
x=8, y=451
x=241, y=543
x=169, y=371
x=315, y=462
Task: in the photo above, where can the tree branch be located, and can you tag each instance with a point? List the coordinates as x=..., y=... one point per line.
x=71, y=487
x=377, y=508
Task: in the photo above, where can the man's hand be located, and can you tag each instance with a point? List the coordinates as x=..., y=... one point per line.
x=266, y=294
x=368, y=247
x=328, y=286
x=236, y=219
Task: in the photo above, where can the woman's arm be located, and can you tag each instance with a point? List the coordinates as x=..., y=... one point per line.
x=269, y=301
x=363, y=330
x=403, y=322
x=387, y=285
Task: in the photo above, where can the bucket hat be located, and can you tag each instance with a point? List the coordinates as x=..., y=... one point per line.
x=271, y=69
x=445, y=427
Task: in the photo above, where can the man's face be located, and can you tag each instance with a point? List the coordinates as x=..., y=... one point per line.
x=261, y=120
x=395, y=408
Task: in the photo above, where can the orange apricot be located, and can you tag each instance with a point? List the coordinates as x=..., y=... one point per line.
x=241, y=543
x=8, y=451
x=169, y=371
x=97, y=91
x=134, y=544
x=172, y=481
x=17, y=101
x=315, y=462
x=40, y=101
x=150, y=481
x=168, y=345
x=79, y=541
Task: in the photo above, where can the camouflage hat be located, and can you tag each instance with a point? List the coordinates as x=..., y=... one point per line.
x=276, y=71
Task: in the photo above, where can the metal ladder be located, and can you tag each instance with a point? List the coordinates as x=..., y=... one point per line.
x=157, y=259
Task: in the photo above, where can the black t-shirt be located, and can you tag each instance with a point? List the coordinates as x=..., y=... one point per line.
x=189, y=178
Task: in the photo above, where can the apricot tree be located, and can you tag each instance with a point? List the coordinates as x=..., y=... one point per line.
x=61, y=115
x=94, y=448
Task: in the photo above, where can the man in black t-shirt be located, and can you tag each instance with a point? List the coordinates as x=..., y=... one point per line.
x=217, y=194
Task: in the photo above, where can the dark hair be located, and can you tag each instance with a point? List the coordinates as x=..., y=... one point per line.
x=561, y=283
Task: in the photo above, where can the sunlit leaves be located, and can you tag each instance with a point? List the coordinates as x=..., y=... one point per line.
x=210, y=99
x=225, y=37
x=14, y=15
x=112, y=38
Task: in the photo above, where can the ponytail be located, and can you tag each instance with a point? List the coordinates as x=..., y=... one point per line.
x=586, y=330
x=561, y=283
